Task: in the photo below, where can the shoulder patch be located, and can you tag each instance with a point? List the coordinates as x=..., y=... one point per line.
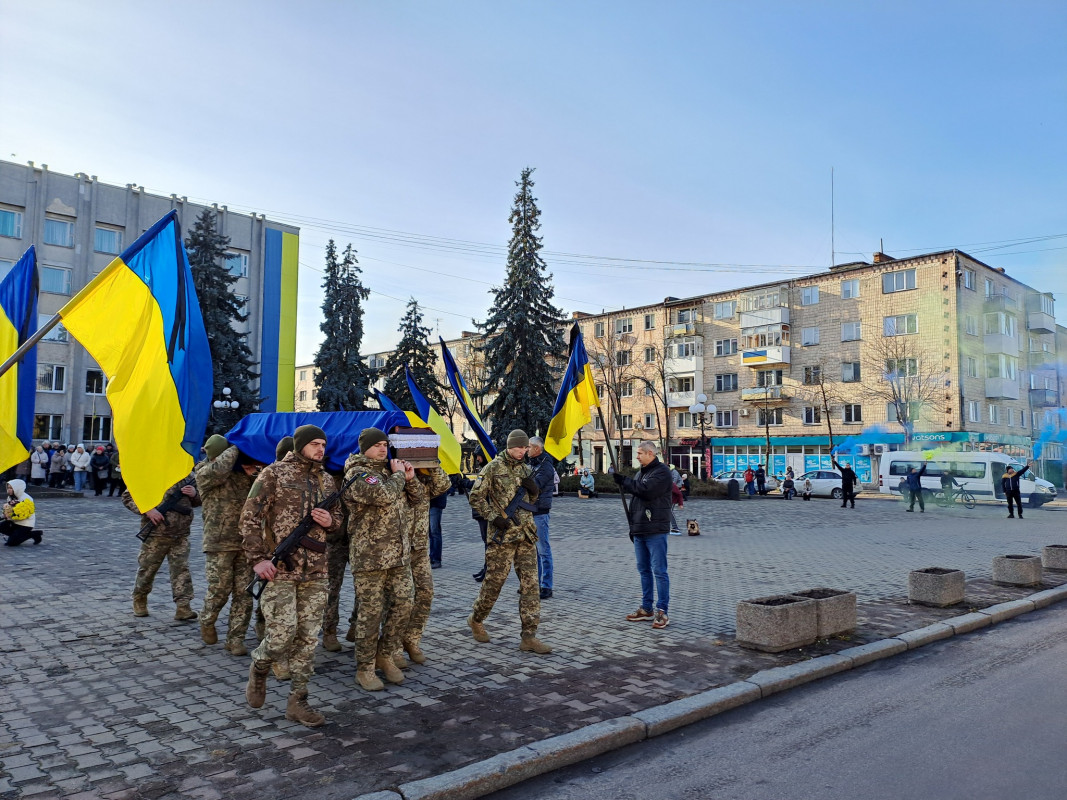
x=371, y=479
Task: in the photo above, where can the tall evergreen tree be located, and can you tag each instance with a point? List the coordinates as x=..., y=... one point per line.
x=342, y=377
x=230, y=355
x=523, y=336
x=414, y=350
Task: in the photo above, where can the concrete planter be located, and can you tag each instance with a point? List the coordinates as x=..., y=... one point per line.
x=1017, y=570
x=835, y=610
x=1054, y=556
x=774, y=624
x=936, y=586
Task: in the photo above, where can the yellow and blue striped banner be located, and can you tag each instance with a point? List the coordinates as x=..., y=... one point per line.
x=18, y=386
x=465, y=402
x=449, y=452
x=577, y=393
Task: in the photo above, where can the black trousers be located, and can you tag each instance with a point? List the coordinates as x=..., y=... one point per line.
x=848, y=495
x=917, y=494
x=1017, y=496
x=16, y=534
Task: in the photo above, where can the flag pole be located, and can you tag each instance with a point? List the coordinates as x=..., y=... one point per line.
x=614, y=463
x=26, y=346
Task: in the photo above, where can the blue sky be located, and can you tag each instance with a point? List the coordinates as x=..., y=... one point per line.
x=673, y=132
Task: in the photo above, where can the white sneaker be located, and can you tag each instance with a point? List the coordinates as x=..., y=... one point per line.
x=676, y=532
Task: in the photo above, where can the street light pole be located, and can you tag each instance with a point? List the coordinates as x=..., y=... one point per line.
x=700, y=410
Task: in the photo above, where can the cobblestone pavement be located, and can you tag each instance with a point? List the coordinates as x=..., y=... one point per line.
x=98, y=703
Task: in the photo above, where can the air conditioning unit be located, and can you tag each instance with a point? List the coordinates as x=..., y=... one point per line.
x=743, y=412
x=863, y=449
x=877, y=449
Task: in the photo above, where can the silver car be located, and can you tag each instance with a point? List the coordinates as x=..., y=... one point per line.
x=824, y=483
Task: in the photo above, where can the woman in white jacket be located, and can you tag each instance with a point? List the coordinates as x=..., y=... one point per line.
x=38, y=466
x=18, y=516
x=80, y=462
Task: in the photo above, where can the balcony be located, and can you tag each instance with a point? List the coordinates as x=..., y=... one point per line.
x=1001, y=389
x=1041, y=358
x=765, y=355
x=999, y=302
x=681, y=399
x=765, y=316
x=1001, y=343
x=680, y=365
x=682, y=329
x=1044, y=398
x=766, y=394
x=1040, y=322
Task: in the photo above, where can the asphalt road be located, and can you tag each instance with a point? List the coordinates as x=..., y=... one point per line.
x=977, y=717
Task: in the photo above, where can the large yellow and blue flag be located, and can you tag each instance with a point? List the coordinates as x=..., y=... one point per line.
x=576, y=395
x=141, y=321
x=389, y=405
x=449, y=452
x=18, y=386
x=466, y=404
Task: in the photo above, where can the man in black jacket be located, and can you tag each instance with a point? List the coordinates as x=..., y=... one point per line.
x=1010, y=484
x=544, y=474
x=650, y=521
x=848, y=483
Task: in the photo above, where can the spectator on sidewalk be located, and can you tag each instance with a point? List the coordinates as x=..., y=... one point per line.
x=761, y=480
x=750, y=481
x=676, y=500
x=58, y=470
x=80, y=463
x=685, y=486
x=100, y=467
x=437, y=508
x=544, y=475
x=587, y=485
x=807, y=489
x=788, y=488
x=38, y=465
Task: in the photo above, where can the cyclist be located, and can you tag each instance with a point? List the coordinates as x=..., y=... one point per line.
x=947, y=482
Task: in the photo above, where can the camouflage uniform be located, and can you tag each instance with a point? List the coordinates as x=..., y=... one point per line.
x=337, y=545
x=223, y=490
x=293, y=602
x=169, y=540
x=494, y=489
x=380, y=515
x=436, y=482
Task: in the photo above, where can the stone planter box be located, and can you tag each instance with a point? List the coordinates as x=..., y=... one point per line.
x=835, y=610
x=1054, y=556
x=774, y=624
x=936, y=586
x=1017, y=570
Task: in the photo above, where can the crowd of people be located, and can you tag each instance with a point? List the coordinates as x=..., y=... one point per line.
x=61, y=466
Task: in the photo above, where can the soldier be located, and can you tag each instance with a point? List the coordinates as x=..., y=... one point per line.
x=223, y=480
x=169, y=539
x=436, y=482
x=281, y=668
x=380, y=513
x=511, y=540
x=284, y=494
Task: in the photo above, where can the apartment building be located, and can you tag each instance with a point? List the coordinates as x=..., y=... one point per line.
x=305, y=393
x=79, y=225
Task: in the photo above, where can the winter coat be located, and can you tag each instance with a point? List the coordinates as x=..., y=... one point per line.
x=38, y=465
x=587, y=482
x=1011, y=484
x=100, y=465
x=80, y=461
x=848, y=476
x=749, y=476
x=545, y=475
x=650, y=507
x=59, y=462
x=380, y=508
x=21, y=505
x=914, y=479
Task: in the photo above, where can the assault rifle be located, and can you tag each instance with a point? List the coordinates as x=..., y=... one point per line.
x=516, y=503
x=286, y=548
x=168, y=504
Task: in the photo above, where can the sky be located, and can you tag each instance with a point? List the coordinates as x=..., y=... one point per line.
x=679, y=148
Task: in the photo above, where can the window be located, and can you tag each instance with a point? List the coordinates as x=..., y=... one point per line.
x=768, y=299
x=598, y=329
x=376, y=362
x=622, y=358
x=597, y=424
x=850, y=289
x=726, y=419
x=1011, y=418
x=96, y=429
x=990, y=288
x=236, y=264
x=969, y=279
x=314, y=394
x=901, y=368
x=55, y=280
x=850, y=332
x=900, y=325
x=95, y=383
x=650, y=321
x=999, y=322
x=625, y=325
x=10, y=223
x=242, y=302
x=1000, y=366
x=303, y=374
x=812, y=415
x=971, y=323
x=853, y=413
x=303, y=396
x=650, y=422
x=600, y=390
x=57, y=334
x=994, y=414
x=809, y=336
x=809, y=295
x=1047, y=305
x=650, y=355
x=726, y=382
x=899, y=281
x=769, y=377
x=725, y=347
x=850, y=372
x=51, y=377
x=813, y=375
x=769, y=416
x=972, y=367
x=683, y=316
x=59, y=232
x=648, y=391
x=680, y=384
x=726, y=309
x=627, y=421
x=766, y=336
x=685, y=419
x=5, y=267
x=626, y=389
x=973, y=414
x=107, y=240
x=48, y=426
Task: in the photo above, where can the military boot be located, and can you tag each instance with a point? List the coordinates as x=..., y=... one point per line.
x=329, y=641
x=414, y=652
x=140, y=605
x=256, y=690
x=388, y=668
x=400, y=661
x=208, y=634
x=298, y=710
x=478, y=629
x=351, y=635
x=236, y=647
x=366, y=678
x=281, y=669
x=184, y=612
x=531, y=644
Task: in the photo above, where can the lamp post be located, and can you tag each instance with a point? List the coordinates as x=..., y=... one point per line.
x=225, y=402
x=701, y=411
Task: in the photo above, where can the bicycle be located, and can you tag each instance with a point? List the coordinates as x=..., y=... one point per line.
x=961, y=496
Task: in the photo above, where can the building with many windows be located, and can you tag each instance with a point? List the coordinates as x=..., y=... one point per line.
x=79, y=225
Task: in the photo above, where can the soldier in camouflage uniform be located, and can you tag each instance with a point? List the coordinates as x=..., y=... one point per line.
x=380, y=507
x=281, y=668
x=223, y=480
x=169, y=539
x=510, y=541
x=284, y=494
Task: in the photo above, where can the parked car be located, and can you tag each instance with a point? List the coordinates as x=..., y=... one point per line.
x=739, y=475
x=979, y=472
x=824, y=483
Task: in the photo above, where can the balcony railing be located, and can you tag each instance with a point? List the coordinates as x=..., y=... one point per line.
x=1044, y=398
x=1040, y=322
x=999, y=302
x=1001, y=389
x=757, y=357
x=1041, y=358
x=765, y=394
x=681, y=399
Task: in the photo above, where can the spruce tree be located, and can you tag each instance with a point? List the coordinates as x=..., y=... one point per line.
x=523, y=336
x=230, y=355
x=342, y=377
x=415, y=351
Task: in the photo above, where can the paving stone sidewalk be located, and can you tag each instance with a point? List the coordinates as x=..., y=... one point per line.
x=98, y=703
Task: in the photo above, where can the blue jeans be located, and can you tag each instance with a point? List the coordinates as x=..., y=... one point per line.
x=79, y=480
x=544, y=552
x=435, y=535
x=651, y=554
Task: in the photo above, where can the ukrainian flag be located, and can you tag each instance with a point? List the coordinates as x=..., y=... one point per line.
x=388, y=405
x=448, y=452
x=140, y=320
x=465, y=402
x=18, y=386
x=576, y=394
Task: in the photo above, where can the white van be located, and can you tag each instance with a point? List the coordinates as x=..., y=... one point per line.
x=979, y=473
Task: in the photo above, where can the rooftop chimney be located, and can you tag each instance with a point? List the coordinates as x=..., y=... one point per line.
x=881, y=258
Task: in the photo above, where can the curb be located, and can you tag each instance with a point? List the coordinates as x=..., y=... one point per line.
x=506, y=769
